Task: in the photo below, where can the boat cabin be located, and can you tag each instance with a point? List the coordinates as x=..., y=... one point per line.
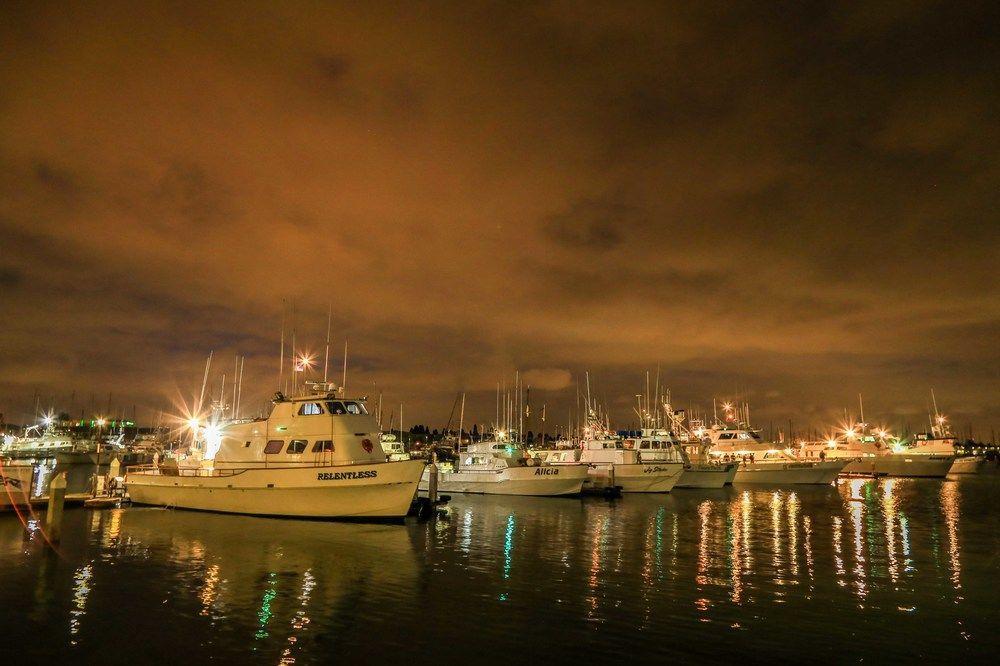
x=318, y=429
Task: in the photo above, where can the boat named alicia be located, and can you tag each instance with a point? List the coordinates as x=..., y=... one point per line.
x=315, y=456
x=498, y=467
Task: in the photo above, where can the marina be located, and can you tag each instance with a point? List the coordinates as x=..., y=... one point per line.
x=458, y=333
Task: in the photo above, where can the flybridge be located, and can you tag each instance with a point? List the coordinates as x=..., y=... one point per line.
x=317, y=391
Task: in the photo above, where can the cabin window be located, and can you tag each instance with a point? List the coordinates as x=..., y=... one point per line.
x=323, y=446
x=726, y=435
x=297, y=446
x=336, y=407
x=274, y=446
x=310, y=409
x=644, y=445
x=355, y=408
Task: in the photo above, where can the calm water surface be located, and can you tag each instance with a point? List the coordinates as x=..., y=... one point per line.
x=887, y=570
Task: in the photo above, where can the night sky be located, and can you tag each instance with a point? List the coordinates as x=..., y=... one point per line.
x=793, y=201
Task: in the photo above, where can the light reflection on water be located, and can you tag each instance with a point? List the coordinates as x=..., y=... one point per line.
x=868, y=563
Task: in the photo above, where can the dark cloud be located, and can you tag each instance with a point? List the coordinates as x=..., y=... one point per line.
x=592, y=225
x=797, y=202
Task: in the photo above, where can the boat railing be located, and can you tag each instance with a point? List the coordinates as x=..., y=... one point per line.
x=161, y=470
x=154, y=470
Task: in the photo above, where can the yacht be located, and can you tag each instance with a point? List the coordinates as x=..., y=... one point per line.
x=501, y=467
x=766, y=462
x=660, y=445
x=879, y=454
x=15, y=484
x=393, y=447
x=316, y=455
x=46, y=441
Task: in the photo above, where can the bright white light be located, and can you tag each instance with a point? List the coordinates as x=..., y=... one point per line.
x=304, y=362
x=194, y=424
x=101, y=421
x=213, y=440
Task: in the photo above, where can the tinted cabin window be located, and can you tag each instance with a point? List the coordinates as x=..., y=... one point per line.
x=336, y=407
x=323, y=446
x=297, y=446
x=310, y=409
x=274, y=446
x=355, y=408
x=644, y=445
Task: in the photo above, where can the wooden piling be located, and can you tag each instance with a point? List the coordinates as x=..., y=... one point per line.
x=54, y=513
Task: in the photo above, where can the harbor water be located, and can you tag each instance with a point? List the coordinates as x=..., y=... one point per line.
x=887, y=570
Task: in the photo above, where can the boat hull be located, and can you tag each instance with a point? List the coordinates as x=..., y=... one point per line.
x=779, y=474
x=902, y=465
x=707, y=476
x=967, y=465
x=637, y=477
x=546, y=481
x=375, y=490
x=15, y=485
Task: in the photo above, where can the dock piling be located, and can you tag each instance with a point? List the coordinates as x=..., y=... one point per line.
x=54, y=513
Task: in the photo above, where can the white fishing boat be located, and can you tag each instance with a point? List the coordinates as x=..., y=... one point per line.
x=393, y=447
x=870, y=455
x=767, y=462
x=876, y=452
x=505, y=468
x=660, y=445
x=613, y=463
x=15, y=484
x=316, y=455
x=43, y=440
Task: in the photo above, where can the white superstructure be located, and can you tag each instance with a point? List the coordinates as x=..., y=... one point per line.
x=316, y=455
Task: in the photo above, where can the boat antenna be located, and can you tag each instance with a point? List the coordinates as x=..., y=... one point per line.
x=204, y=383
x=239, y=393
x=281, y=358
x=344, y=382
x=236, y=378
x=588, y=393
x=326, y=358
x=461, y=423
x=861, y=407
